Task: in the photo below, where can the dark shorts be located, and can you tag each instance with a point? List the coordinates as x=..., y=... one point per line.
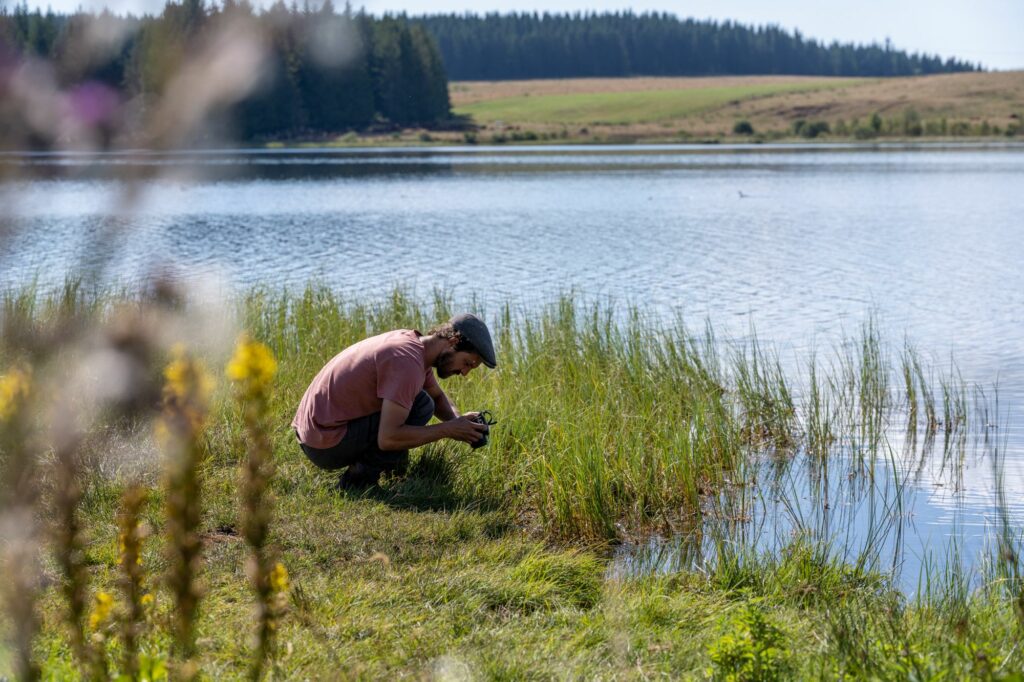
x=359, y=446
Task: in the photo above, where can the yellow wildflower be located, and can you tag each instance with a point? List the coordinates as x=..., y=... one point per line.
x=101, y=609
x=14, y=390
x=122, y=547
x=147, y=599
x=252, y=364
x=186, y=378
x=279, y=578
x=187, y=390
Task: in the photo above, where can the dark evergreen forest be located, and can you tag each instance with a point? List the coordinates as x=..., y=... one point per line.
x=395, y=69
x=390, y=71
x=520, y=46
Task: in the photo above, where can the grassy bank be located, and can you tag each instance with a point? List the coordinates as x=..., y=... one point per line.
x=494, y=563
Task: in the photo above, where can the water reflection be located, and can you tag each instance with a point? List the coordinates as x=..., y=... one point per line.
x=909, y=513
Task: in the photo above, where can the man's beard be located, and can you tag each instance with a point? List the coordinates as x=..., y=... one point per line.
x=443, y=363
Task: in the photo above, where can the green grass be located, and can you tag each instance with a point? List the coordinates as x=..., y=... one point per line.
x=624, y=108
x=494, y=562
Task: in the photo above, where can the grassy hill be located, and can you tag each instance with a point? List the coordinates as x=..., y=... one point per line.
x=660, y=109
x=606, y=102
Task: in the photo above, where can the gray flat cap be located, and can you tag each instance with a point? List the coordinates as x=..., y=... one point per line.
x=475, y=332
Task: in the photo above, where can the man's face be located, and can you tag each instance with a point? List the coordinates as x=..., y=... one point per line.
x=450, y=362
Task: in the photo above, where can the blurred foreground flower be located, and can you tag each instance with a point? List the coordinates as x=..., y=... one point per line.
x=15, y=386
x=279, y=579
x=133, y=532
x=252, y=370
x=187, y=391
x=252, y=367
x=19, y=550
x=102, y=608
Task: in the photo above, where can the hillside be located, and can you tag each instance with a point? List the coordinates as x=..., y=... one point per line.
x=650, y=109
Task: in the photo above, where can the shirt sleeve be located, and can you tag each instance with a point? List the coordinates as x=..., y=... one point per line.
x=399, y=379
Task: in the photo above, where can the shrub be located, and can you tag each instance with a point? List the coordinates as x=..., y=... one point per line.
x=813, y=129
x=743, y=128
x=752, y=650
x=912, y=123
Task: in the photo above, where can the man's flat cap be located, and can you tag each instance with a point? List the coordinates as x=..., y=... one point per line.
x=473, y=330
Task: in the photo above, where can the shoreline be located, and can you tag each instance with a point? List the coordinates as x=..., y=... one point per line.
x=711, y=145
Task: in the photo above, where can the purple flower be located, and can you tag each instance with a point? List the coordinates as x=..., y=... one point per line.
x=93, y=103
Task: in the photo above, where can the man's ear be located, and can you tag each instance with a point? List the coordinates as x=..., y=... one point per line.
x=452, y=342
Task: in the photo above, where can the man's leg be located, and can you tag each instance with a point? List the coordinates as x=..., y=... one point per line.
x=359, y=451
x=397, y=461
x=371, y=462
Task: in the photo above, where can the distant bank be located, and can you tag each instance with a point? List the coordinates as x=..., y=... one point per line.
x=728, y=109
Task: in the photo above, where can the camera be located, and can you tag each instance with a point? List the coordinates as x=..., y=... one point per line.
x=485, y=418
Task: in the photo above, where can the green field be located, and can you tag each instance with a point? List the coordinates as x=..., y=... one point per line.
x=495, y=563
x=626, y=108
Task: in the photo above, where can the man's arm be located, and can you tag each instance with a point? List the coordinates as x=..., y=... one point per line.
x=443, y=407
x=395, y=434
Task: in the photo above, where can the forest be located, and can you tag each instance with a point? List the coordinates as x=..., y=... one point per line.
x=326, y=70
x=530, y=45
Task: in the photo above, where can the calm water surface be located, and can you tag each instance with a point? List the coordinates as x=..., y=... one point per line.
x=804, y=244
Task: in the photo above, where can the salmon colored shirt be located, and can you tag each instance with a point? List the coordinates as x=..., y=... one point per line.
x=356, y=382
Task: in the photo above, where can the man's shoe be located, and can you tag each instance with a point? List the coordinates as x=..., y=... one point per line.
x=357, y=476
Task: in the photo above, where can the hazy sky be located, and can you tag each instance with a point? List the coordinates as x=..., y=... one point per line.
x=986, y=31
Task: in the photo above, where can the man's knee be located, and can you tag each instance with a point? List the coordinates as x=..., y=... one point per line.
x=422, y=410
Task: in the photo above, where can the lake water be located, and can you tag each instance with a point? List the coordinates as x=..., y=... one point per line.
x=803, y=243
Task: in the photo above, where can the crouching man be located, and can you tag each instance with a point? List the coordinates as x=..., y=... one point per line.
x=372, y=402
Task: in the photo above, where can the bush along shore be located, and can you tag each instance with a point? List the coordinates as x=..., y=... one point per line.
x=159, y=520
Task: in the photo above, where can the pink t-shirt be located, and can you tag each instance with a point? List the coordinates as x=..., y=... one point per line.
x=357, y=380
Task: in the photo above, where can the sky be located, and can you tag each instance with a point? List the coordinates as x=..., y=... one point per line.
x=987, y=31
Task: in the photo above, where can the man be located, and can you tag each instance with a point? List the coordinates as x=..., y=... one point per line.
x=372, y=401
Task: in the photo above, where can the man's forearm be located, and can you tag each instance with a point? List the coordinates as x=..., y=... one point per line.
x=408, y=436
x=444, y=410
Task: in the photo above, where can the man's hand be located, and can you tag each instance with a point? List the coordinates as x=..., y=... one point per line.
x=464, y=429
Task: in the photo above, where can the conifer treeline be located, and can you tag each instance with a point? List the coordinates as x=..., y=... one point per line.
x=327, y=71
x=513, y=46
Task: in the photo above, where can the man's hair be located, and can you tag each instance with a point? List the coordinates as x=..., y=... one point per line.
x=445, y=330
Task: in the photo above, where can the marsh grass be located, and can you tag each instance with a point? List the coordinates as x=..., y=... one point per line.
x=611, y=426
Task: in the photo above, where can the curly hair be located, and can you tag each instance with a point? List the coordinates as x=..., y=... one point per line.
x=445, y=330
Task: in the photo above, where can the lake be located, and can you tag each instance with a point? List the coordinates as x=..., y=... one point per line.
x=801, y=243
